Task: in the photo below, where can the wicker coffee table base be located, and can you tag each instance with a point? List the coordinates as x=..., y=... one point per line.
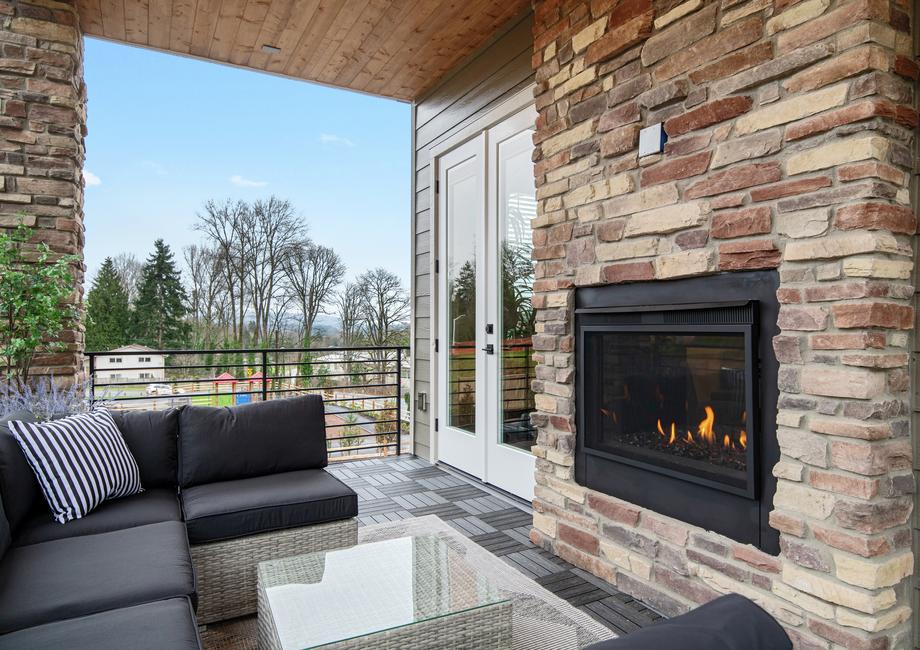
x=477, y=629
x=225, y=571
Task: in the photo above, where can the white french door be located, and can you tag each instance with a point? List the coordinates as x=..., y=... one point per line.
x=485, y=205
x=461, y=200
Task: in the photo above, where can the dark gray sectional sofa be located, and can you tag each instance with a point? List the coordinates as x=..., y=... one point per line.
x=730, y=622
x=124, y=576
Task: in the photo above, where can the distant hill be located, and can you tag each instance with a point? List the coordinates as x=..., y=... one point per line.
x=327, y=324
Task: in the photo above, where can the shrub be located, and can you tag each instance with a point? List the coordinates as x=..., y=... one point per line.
x=34, y=289
x=47, y=398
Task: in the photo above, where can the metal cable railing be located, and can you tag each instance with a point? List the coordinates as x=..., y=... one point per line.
x=362, y=387
x=516, y=398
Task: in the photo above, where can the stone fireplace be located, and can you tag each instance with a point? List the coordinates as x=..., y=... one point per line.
x=676, y=388
x=790, y=125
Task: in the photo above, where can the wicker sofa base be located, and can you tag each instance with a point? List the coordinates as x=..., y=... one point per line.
x=226, y=570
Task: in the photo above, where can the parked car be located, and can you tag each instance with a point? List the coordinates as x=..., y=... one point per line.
x=163, y=389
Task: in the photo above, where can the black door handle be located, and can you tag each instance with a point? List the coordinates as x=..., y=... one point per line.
x=489, y=349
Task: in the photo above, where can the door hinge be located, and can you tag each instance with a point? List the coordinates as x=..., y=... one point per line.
x=437, y=266
x=436, y=345
x=436, y=424
x=437, y=187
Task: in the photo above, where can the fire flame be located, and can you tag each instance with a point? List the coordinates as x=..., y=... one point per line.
x=706, y=425
x=705, y=429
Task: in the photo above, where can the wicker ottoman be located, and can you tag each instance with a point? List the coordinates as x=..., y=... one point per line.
x=225, y=571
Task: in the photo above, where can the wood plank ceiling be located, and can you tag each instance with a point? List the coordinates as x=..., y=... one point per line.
x=393, y=48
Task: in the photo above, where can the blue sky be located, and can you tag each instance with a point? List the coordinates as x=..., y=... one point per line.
x=167, y=133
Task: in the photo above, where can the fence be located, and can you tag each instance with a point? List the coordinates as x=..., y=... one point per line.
x=362, y=387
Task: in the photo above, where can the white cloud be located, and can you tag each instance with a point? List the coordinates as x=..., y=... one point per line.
x=333, y=139
x=240, y=181
x=91, y=179
x=154, y=167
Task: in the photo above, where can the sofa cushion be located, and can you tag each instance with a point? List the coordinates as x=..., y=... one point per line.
x=152, y=626
x=731, y=622
x=19, y=488
x=153, y=438
x=260, y=504
x=6, y=536
x=77, y=576
x=149, y=507
x=80, y=461
x=225, y=444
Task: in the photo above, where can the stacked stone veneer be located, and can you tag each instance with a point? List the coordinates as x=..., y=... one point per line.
x=790, y=129
x=42, y=126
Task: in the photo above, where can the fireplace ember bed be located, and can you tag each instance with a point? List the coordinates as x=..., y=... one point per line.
x=676, y=399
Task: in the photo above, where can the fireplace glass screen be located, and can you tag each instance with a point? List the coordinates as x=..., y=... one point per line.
x=674, y=400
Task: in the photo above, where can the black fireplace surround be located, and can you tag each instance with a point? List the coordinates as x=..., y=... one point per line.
x=676, y=399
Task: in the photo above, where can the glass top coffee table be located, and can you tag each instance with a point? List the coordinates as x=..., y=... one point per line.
x=407, y=592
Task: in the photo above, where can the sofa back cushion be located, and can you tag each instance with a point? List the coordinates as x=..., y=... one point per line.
x=153, y=438
x=224, y=444
x=19, y=489
x=6, y=535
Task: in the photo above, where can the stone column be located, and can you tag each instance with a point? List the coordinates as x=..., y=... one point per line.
x=790, y=125
x=42, y=130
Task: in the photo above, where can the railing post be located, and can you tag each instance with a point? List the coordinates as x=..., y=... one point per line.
x=92, y=379
x=399, y=401
x=264, y=376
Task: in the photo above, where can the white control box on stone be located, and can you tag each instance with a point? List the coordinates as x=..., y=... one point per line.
x=652, y=139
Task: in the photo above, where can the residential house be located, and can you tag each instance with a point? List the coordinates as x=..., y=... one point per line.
x=131, y=363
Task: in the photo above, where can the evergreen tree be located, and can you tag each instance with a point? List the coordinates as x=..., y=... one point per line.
x=463, y=304
x=108, y=315
x=161, y=305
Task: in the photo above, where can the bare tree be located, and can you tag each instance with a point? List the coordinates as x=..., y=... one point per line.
x=384, y=307
x=279, y=321
x=227, y=226
x=128, y=268
x=313, y=272
x=348, y=304
x=210, y=304
x=274, y=232
x=384, y=311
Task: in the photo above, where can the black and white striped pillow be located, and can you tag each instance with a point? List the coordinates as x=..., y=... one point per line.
x=80, y=461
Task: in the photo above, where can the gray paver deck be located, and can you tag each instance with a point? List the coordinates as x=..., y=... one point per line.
x=399, y=487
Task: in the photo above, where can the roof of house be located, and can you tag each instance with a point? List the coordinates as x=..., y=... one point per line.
x=132, y=348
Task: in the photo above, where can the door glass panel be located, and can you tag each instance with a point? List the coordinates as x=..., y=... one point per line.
x=463, y=212
x=517, y=206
